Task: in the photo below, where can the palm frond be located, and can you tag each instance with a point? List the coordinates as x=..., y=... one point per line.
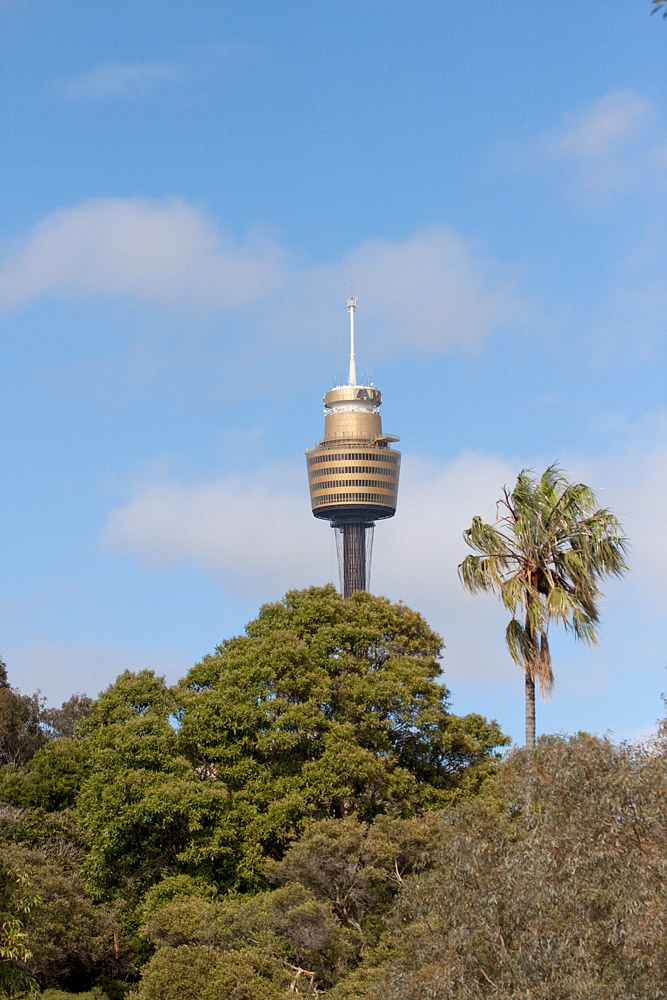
x=583, y=626
x=537, y=618
x=485, y=538
x=479, y=573
x=520, y=647
x=559, y=603
x=512, y=592
x=544, y=672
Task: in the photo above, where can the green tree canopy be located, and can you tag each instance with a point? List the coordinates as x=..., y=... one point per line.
x=357, y=868
x=16, y=902
x=21, y=734
x=545, y=556
x=201, y=972
x=326, y=707
x=141, y=802
x=71, y=940
x=50, y=780
x=335, y=885
x=177, y=807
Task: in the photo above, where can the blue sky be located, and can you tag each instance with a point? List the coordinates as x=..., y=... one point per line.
x=190, y=192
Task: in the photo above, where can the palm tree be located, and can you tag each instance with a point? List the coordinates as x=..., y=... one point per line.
x=544, y=555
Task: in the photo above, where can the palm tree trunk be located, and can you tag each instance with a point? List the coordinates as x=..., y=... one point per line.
x=530, y=669
x=530, y=712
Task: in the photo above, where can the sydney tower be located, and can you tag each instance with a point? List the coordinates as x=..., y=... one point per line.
x=353, y=472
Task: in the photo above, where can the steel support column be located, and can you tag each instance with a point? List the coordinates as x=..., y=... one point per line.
x=354, y=557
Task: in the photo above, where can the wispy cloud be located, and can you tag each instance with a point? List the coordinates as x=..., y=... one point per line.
x=633, y=481
x=162, y=252
x=629, y=323
x=603, y=128
x=435, y=287
x=228, y=527
x=114, y=81
x=614, y=145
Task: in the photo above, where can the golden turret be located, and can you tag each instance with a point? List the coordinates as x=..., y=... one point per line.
x=353, y=473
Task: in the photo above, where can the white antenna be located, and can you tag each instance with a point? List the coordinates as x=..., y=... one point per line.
x=351, y=306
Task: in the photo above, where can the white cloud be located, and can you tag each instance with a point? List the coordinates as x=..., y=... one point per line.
x=603, y=128
x=632, y=481
x=256, y=533
x=116, y=81
x=615, y=145
x=433, y=289
x=164, y=252
x=258, y=527
x=417, y=556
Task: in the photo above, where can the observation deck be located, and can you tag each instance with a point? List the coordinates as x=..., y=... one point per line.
x=353, y=472
x=354, y=476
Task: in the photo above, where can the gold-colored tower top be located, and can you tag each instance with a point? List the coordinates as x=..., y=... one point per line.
x=353, y=473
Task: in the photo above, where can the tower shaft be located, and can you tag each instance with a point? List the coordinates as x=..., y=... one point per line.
x=354, y=556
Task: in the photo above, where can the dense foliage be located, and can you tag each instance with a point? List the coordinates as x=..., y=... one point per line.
x=16, y=902
x=551, y=887
x=154, y=799
x=326, y=707
x=333, y=889
x=302, y=815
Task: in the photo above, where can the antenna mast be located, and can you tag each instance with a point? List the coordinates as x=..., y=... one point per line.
x=351, y=306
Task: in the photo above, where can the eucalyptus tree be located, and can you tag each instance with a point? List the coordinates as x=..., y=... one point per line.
x=545, y=556
x=563, y=899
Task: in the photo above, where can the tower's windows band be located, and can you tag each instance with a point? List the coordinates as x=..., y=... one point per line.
x=338, y=483
x=342, y=470
x=379, y=498
x=392, y=457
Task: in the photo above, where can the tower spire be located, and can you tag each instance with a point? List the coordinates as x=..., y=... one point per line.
x=351, y=306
